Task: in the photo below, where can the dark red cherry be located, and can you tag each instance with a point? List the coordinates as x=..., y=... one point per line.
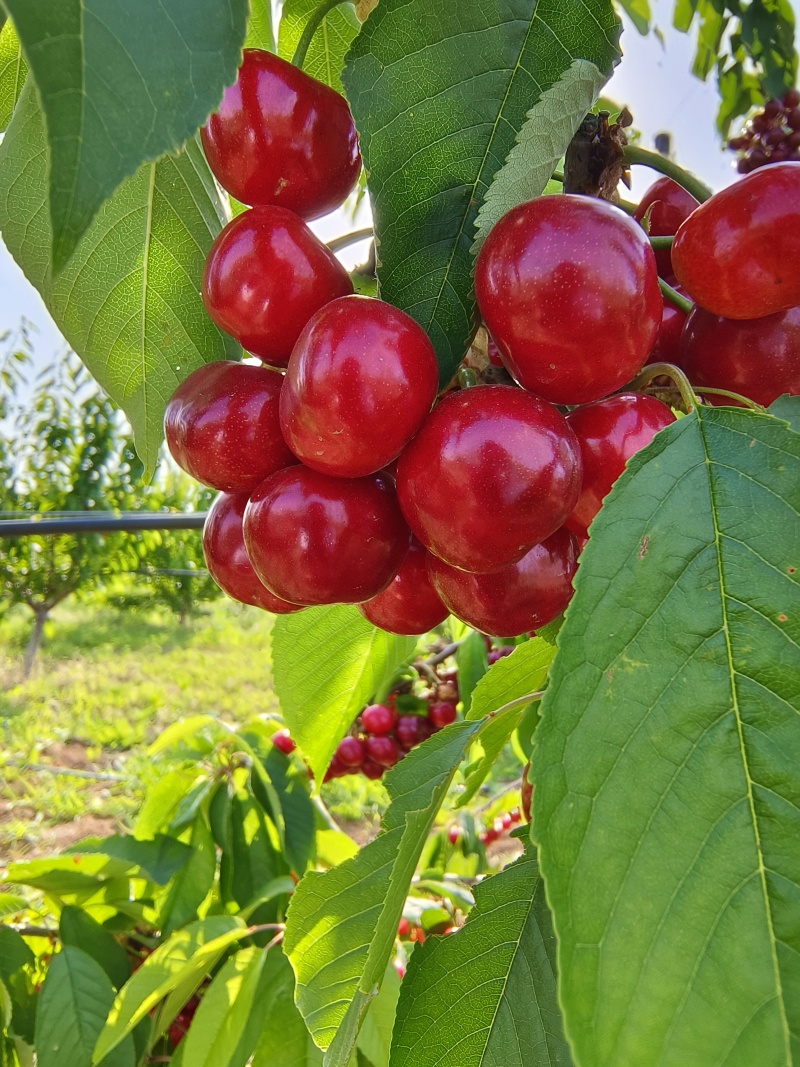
x=265, y=276
x=221, y=426
x=568, y=289
x=282, y=138
x=409, y=604
x=371, y=769
x=383, y=750
x=669, y=205
x=350, y=752
x=227, y=560
x=493, y=471
x=411, y=730
x=361, y=379
x=757, y=358
x=441, y=714
x=313, y=539
x=668, y=339
x=738, y=254
x=282, y=740
x=610, y=432
x=378, y=719
x=514, y=601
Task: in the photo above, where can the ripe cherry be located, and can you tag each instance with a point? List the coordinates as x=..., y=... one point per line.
x=350, y=752
x=758, y=358
x=371, y=769
x=378, y=719
x=669, y=205
x=666, y=348
x=517, y=600
x=526, y=793
x=283, y=741
x=227, y=559
x=319, y=540
x=737, y=255
x=383, y=750
x=222, y=428
x=361, y=379
x=610, y=432
x=493, y=471
x=282, y=138
x=265, y=276
x=409, y=604
x=454, y=834
x=411, y=730
x=568, y=288
x=442, y=714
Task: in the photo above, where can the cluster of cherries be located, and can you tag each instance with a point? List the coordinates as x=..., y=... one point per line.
x=771, y=136
x=500, y=825
x=345, y=479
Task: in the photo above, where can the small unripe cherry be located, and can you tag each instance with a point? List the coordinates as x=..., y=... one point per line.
x=283, y=741
x=384, y=751
x=442, y=714
x=378, y=719
x=350, y=751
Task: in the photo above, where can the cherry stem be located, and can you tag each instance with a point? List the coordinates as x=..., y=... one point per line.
x=674, y=297
x=655, y=370
x=625, y=205
x=506, y=789
x=315, y=20
x=518, y=702
x=349, y=239
x=702, y=389
x=661, y=242
x=634, y=154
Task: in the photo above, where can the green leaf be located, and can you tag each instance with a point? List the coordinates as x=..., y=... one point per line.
x=161, y=801
x=15, y=953
x=260, y=31
x=284, y=1039
x=521, y=674
x=65, y=874
x=192, y=883
x=486, y=995
x=787, y=408
x=120, y=86
x=223, y=1013
x=76, y=997
x=176, y=967
x=549, y=127
x=76, y=927
x=296, y=806
x=437, y=121
x=472, y=665
x=325, y=57
x=326, y=665
x=129, y=301
x=667, y=797
x=638, y=11
x=375, y=1038
x=254, y=856
x=13, y=70
x=157, y=859
x=342, y=923
x=11, y=905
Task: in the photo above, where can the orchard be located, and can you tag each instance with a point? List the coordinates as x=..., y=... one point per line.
x=531, y=486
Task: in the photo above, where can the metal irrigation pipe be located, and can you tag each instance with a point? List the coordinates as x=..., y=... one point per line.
x=102, y=523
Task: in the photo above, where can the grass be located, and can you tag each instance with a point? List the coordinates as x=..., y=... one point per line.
x=107, y=683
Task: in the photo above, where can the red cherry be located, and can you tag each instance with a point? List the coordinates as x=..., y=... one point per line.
x=507, y=821
x=227, y=559
x=495, y=359
x=441, y=714
x=494, y=654
x=378, y=719
x=409, y=604
x=526, y=793
x=669, y=205
x=337, y=769
x=610, y=432
x=758, y=358
x=265, y=276
x=361, y=379
x=568, y=288
x=409, y=730
x=350, y=752
x=383, y=751
x=737, y=255
x=668, y=339
x=514, y=815
x=221, y=426
x=281, y=137
x=492, y=472
x=454, y=834
x=283, y=741
x=514, y=601
x=372, y=770
x=319, y=540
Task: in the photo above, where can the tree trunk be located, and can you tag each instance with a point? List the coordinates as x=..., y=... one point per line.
x=35, y=640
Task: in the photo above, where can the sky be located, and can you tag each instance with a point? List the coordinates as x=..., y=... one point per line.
x=653, y=80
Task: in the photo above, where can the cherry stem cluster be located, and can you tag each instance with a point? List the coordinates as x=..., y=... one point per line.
x=634, y=154
x=682, y=383
x=315, y=20
x=675, y=297
x=661, y=242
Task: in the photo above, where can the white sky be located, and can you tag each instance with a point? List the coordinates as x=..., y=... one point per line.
x=653, y=80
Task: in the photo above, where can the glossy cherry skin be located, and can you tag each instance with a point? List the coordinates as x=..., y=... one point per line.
x=227, y=560
x=412, y=730
x=738, y=254
x=441, y=714
x=493, y=471
x=610, y=432
x=350, y=751
x=517, y=600
x=666, y=348
x=361, y=379
x=568, y=289
x=384, y=751
x=378, y=719
x=282, y=138
x=409, y=604
x=265, y=276
x=313, y=539
x=757, y=358
x=222, y=426
x=282, y=740
x=670, y=205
